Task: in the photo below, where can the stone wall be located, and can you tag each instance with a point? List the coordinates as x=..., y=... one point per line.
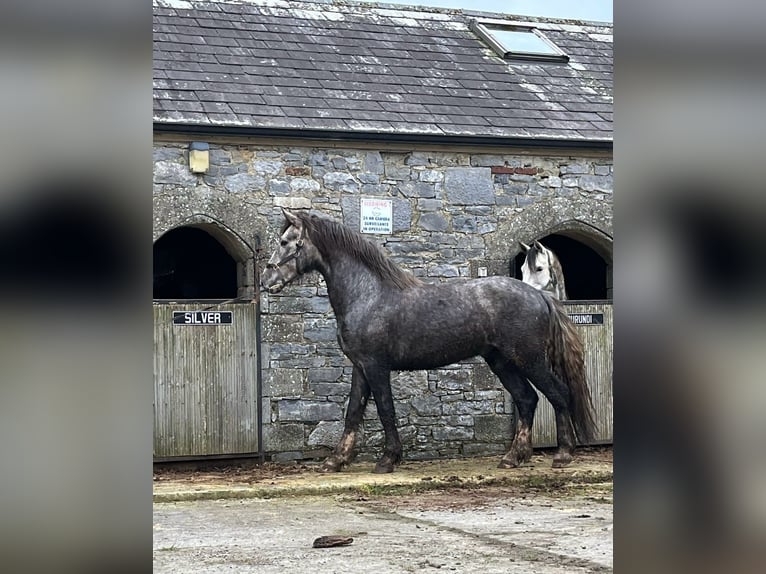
x=454, y=212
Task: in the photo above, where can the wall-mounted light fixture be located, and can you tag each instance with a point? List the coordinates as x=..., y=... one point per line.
x=199, y=157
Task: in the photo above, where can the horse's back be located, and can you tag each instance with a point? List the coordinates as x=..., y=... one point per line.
x=435, y=325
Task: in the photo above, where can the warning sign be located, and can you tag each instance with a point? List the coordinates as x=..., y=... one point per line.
x=376, y=216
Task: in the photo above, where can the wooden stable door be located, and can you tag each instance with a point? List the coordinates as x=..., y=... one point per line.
x=593, y=321
x=205, y=380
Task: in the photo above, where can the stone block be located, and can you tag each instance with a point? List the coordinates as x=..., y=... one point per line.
x=283, y=329
x=373, y=162
x=325, y=375
x=469, y=185
x=267, y=168
x=409, y=383
x=292, y=202
x=330, y=389
x=490, y=161
x=317, y=330
x=465, y=224
x=454, y=380
x=463, y=407
x=603, y=183
x=283, y=437
x=287, y=351
x=244, y=183
x=319, y=158
x=175, y=155
x=402, y=215
x=427, y=405
x=417, y=189
x=483, y=377
x=299, y=305
x=431, y=176
x=369, y=178
x=327, y=433
x=339, y=163
x=433, y=222
x=309, y=411
x=459, y=420
x=417, y=158
x=602, y=169
x=429, y=204
x=396, y=172
x=443, y=271
x=279, y=187
x=577, y=168
x=452, y=433
x=304, y=185
x=283, y=382
x=340, y=181
x=493, y=428
x=174, y=173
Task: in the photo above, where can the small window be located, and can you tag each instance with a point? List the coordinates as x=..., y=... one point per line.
x=518, y=42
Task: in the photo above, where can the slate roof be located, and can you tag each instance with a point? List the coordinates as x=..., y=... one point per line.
x=342, y=66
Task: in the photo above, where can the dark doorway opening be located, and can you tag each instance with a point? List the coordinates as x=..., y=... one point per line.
x=189, y=263
x=585, y=271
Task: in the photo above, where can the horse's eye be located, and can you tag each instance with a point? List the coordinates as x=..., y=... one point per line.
x=539, y=269
x=283, y=243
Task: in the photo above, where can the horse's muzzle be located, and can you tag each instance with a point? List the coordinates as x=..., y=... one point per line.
x=272, y=287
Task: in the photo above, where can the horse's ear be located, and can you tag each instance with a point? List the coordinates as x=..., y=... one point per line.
x=539, y=245
x=524, y=247
x=294, y=220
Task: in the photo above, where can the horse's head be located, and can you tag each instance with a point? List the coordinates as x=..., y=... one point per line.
x=290, y=259
x=537, y=269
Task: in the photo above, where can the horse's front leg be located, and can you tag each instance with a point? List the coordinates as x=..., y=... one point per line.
x=357, y=402
x=380, y=383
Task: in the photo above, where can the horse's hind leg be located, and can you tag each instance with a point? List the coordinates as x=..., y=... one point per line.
x=525, y=399
x=357, y=402
x=557, y=394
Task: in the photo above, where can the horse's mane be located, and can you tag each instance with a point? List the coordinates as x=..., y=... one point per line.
x=328, y=235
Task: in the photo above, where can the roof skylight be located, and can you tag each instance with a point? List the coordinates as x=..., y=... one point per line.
x=518, y=42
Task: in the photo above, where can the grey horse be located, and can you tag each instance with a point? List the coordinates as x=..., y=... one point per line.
x=389, y=320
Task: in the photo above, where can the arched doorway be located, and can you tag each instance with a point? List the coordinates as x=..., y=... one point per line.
x=189, y=263
x=207, y=384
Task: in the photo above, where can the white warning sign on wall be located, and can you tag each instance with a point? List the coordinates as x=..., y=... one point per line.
x=376, y=216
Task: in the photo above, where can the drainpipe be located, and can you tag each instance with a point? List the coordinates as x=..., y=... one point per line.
x=258, y=366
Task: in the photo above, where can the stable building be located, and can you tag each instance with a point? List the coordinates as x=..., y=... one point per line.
x=447, y=136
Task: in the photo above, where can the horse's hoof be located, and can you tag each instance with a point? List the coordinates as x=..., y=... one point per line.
x=508, y=464
x=561, y=460
x=330, y=466
x=383, y=468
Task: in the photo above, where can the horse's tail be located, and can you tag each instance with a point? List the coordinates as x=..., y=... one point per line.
x=566, y=357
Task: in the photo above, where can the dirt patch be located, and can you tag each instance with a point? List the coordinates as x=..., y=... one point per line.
x=436, y=475
x=237, y=473
x=482, y=497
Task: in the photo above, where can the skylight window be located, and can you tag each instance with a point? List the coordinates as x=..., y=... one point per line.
x=518, y=42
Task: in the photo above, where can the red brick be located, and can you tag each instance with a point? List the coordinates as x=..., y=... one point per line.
x=301, y=170
x=525, y=170
x=519, y=170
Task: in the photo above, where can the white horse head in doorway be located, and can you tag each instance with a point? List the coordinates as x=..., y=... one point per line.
x=542, y=269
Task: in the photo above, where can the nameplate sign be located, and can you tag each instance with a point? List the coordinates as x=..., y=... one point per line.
x=587, y=318
x=376, y=216
x=202, y=317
